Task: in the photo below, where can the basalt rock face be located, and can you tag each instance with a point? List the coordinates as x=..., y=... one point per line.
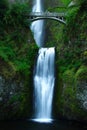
x=82, y=94
x=10, y=97
x=14, y=95
x=72, y=95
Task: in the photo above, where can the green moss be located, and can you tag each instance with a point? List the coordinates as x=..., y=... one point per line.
x=85, y=53
x=8, y=70
x=68, y=76
x=23, y=107
x=81, y=74
x=67, y=103
x=66, y=2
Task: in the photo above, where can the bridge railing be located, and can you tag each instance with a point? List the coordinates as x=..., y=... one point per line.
x=49, y=14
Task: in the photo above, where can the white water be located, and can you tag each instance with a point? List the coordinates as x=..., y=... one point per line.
x=44, y=71
x=37, y=27
x=44, y=85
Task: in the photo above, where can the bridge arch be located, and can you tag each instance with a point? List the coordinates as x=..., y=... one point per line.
x=52, y=18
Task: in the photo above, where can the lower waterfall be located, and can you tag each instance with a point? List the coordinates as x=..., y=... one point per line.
x=44, y=85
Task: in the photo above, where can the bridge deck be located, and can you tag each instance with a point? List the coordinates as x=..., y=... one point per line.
x=48, y=14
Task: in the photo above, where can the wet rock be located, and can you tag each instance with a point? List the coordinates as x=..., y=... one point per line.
x=72, y=95
x=13, y=98
x=82, y=94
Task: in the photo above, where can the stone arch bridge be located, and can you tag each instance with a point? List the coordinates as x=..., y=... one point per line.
x=34, y=16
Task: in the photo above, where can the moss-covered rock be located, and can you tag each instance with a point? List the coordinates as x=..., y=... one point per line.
x=71, y=64
x=7, y=69
x=13, y=96
x=72, y=98
x=81, y=74
x=81, y=88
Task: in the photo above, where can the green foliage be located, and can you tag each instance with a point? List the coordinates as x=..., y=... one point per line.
x=15, y=22
x=72, y=12
x=66, y=2
x=71, y=18
x=15, y=15
x=70, y=42
x=25, y=59
x=68, y=103
x=22, y=66
x=6, y=52
x=74, y=40
x=85, y=57
x=57, y=9
x=68, y=77
x=69, y=58
x=20, y=109
x=14, y=36
x=81, y=73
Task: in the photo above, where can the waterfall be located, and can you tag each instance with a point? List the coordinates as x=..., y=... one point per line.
x=44, y=84
x=43, y=71
x=37, y=27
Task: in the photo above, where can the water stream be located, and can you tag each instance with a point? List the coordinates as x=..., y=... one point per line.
x=44, y=84
x=44, y=71
x=37, y=27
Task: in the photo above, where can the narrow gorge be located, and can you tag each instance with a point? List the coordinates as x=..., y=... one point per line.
x=43, y=64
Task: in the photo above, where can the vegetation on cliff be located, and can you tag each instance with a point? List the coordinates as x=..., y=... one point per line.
x=70, y=41
x=17, y=54
x=72, y=63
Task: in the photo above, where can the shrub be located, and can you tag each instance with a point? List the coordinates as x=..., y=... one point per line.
x=81, y=74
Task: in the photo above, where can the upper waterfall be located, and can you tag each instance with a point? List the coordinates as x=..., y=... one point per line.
x=37, y=27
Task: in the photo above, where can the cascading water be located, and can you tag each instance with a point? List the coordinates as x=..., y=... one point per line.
x=44, y=84
x=44, y=72
x=37, y=27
